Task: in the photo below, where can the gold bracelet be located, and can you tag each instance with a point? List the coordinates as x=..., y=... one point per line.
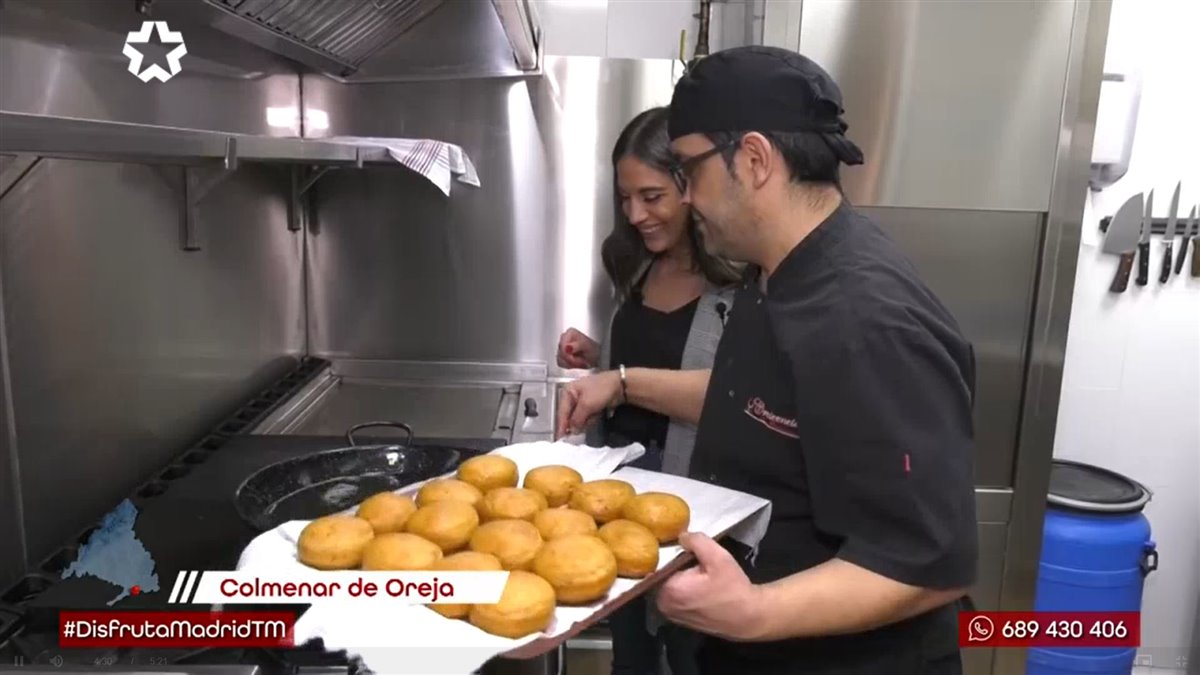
x=624, y=390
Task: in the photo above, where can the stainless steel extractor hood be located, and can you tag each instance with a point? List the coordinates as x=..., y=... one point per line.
x=382, y=39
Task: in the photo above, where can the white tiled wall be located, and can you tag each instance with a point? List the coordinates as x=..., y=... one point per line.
x=1131, y=385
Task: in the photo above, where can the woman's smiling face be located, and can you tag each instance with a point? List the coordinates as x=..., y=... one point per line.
x=652, y=204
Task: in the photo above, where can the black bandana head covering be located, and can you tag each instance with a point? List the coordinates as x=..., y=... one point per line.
x=761, y=89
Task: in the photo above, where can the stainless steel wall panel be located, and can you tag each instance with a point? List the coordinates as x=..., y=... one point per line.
x=63, y=57
x=400, y=272
x=123, y=347
x=982, y=264
x=955, y=104
x=495, y=273
x=1051, y=314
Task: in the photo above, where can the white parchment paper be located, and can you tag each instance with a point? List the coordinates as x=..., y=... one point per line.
x=415, y=640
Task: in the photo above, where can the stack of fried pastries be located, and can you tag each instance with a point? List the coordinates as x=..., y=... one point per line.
x=563, y=540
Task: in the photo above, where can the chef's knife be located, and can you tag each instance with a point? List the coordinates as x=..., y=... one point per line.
x=1122, y=238
x=1143, y=245
x=1169, y=234
x=1184, y=230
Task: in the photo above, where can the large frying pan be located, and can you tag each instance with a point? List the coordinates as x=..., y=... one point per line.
x=322, y=483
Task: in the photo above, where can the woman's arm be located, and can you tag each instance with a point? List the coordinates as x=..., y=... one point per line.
x=678, y=394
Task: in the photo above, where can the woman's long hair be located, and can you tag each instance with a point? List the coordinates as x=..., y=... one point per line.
x=623, y=251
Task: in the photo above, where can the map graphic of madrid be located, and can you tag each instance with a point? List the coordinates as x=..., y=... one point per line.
x=114, y=553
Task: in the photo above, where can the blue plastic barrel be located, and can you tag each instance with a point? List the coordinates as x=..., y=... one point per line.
x=1096, y=553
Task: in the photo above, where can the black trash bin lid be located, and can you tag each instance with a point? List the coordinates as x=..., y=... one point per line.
x=1085, y=487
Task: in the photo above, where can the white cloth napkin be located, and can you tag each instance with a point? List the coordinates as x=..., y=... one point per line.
x=435, y=160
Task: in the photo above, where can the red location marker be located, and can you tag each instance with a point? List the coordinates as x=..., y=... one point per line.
x=135, y=590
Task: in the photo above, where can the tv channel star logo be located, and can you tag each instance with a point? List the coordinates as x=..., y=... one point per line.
x=165, y=36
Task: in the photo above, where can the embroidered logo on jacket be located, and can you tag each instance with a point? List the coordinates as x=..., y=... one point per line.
x=757, y=409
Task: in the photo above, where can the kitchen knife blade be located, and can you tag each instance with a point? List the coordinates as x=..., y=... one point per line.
x=1122, y=239
x=1169, y=235
x=1185, y=229
x=1195, y=239
x=1143, y=246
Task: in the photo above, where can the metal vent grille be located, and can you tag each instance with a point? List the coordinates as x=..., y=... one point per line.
x=348, y=31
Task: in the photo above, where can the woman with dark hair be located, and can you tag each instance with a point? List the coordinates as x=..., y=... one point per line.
x=672, y=299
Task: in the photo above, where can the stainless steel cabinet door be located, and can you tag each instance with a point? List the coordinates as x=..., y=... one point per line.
x=955, y=104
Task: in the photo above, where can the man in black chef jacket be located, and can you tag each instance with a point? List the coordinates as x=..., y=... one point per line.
x=841, y=391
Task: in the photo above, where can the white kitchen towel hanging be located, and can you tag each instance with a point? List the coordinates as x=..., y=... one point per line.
x=435, y=160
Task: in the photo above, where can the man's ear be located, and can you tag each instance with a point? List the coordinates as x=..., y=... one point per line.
x=759, y=159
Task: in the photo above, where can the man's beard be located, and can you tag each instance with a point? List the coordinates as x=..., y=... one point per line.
x=710, y=239
x=703, y=234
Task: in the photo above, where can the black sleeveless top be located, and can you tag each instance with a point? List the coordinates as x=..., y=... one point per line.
x=643, y=337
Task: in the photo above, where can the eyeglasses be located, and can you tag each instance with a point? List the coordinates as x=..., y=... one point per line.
x=681, y=171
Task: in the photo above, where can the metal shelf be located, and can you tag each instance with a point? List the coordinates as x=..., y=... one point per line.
x=74, y=138
x=207, y=157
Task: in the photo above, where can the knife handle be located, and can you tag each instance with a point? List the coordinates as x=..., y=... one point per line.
x=1124, y=267
x=1143, y=276
x=1196, y=256
x=1182, y=255
x=1165, y=273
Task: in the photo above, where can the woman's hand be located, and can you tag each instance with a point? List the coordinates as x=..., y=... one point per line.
x=576, y=350
x=582, y=401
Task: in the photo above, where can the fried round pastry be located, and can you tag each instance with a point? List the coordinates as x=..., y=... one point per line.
x=634, y=545
x=555, y=523
x=488, y=472
x=447, y=524
x=511, y=502
x=334, y=542
x=514, y=542
x=526, y=606
x=386, y=511
x=555, y=482
x=665, y=515
x=400, y=551
x=580, y=567
x=602, y=499
x=463, y=561
x=448, y=489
